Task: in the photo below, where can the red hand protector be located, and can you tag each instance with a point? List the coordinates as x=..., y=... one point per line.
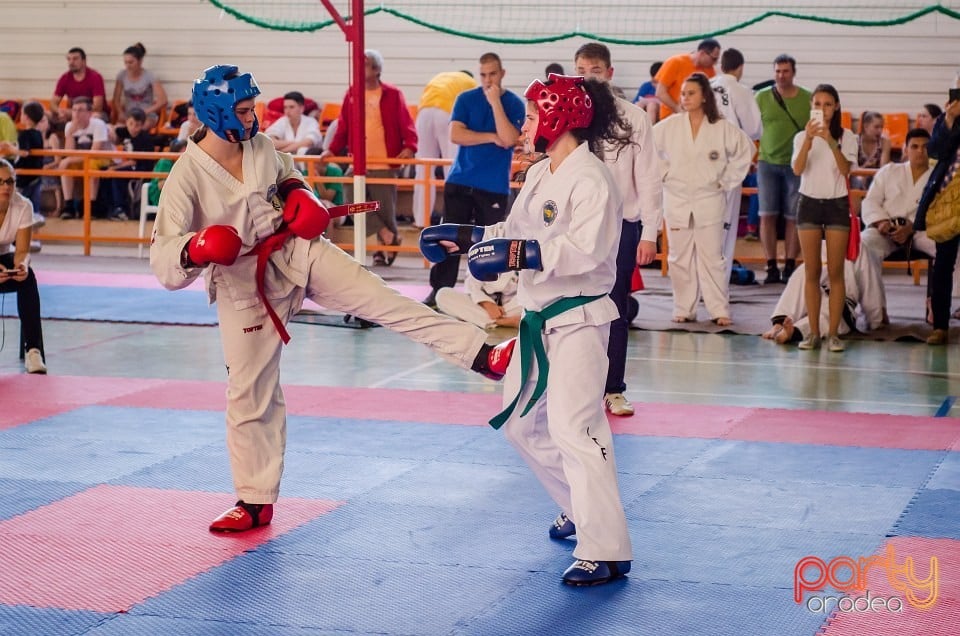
x=218, y=244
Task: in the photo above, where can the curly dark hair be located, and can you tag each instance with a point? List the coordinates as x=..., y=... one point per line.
x=608, y=129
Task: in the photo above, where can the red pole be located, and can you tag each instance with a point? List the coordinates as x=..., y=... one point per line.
x=358, y=140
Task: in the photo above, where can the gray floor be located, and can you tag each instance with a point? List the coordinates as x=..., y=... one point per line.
x=666, y=367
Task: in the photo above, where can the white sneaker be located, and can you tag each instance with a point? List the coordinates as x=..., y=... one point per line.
x=33, y=361
x=617, y=404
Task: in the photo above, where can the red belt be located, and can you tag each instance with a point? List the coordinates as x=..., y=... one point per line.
x=263, y=251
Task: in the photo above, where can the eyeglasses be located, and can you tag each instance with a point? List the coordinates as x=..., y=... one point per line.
x=8, y=182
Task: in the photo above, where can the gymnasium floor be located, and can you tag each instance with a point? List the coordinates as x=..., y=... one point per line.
x=402, y=513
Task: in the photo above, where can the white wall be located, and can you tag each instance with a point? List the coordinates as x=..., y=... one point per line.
x=888, y=69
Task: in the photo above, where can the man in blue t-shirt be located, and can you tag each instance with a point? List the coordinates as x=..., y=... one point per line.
x=485, y=124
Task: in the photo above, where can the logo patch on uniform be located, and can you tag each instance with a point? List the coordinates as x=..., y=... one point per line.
x=273, y=198
x=549, y=212
x=714, y=155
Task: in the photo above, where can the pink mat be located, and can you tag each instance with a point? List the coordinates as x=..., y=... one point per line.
x=116, y=551
x=942, y=618
x=63, y=393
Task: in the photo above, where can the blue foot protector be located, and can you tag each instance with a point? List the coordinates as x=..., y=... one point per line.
x=583, y=573
x=562, y=527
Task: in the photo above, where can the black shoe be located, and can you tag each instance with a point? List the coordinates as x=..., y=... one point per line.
x=787, y=272
x=118, y=214
x=69, y=210
x=431, y=299
x=773, y=276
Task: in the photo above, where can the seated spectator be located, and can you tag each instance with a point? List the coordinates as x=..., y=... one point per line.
x=189, y=126
x=646, y=97
x=295, y=132
x=133, y=137
x=137, y=87
x=487, y=305
x=16, y=226
x=8, y=137
x=82, y=132
x=873, y=147
x=863, y=310
x=79, y=81
x=330, y=193
x=29, y=137
x=163, y=166
x=928, y=116
x=890, y=207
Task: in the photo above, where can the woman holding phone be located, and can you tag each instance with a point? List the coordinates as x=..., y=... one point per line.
x=823, y=154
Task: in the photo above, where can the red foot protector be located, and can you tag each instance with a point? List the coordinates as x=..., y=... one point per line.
x=108, y=548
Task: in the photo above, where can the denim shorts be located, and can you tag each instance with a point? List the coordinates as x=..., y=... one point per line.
x=777, y=188
x=830, y=214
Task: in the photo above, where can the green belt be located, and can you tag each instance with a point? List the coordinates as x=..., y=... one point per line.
x=531, y=342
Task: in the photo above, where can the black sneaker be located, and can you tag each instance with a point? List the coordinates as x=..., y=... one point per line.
x=787, y=272
x=773, y=276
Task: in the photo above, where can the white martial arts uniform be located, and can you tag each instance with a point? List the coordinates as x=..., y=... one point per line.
x=198, y=193
x=636, y=171
x=697, y=172
x=309, y=128
x=466, y=305
x=864, y=291
x=738, y=106
x=893, y=193
x=575, y=214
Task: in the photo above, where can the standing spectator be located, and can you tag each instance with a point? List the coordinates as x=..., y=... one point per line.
x=702, y=156
x=942, y=192
x=433, y=131
x=8, y=137
x=83, y=132
x=636, y=171
x=485, y=123
x=137, y=87
x=784, y=110
x=16, y=275
x=553, y=67
x=30, y=138
x=737, y=105
x=294, y=132
x=822, y=156
x=927, y=117
x=390, y=132
x=676, y=69
x=134, y=136
x=79, y=81
x=646, y=97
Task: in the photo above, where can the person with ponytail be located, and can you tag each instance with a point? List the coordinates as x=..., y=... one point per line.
x=823, y=155
x=562, y=235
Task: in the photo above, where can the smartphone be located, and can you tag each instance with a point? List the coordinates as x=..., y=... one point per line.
x=816, y=115
x=954, y=94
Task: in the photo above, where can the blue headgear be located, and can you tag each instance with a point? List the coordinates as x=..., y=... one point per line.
x=216, y=93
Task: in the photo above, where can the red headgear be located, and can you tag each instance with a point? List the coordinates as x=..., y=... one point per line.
x=563, y=104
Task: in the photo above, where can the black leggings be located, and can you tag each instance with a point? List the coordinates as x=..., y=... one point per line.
x=941, y=282
x=28, y=305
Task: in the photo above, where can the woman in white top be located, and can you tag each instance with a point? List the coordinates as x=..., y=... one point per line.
x=823, y=155
x=702, y=156
x=16, y=223
x=137, y=87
